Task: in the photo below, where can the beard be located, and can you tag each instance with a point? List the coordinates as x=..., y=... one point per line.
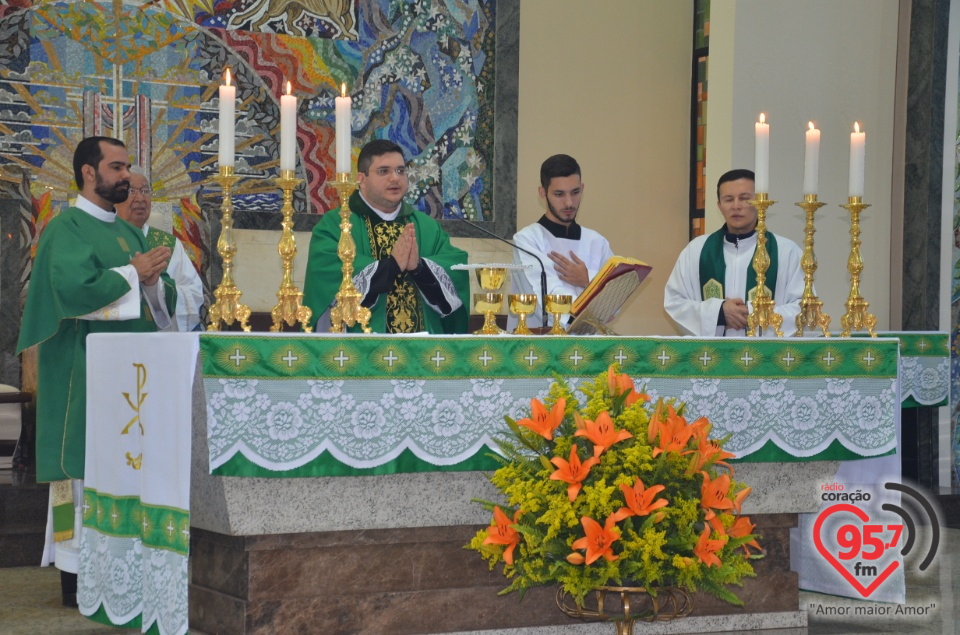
x=556, y=214
x=115, y=193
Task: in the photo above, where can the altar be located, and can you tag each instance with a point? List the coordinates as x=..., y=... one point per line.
x=331, y=477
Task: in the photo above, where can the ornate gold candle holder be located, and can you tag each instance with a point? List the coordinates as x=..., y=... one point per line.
x=763, y=314
x=558, y=305
x=523, y=304
x=347, y=310
x=856, y=318
x=289, y=308
x=227, y=306
x=810, y=314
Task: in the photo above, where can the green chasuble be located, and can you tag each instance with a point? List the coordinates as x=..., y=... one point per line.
x=324, y=269
x=72, y=277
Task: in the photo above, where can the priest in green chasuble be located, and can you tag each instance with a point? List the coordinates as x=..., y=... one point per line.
x=93, y=273
x=404, y=258
x=710, y=290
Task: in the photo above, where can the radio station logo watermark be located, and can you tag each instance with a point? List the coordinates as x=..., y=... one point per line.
x=867, y=541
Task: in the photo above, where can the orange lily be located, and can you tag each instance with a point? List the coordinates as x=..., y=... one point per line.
x=675, y=433
x=743, y=527
x=740, y=497
x=701, y=428
x=639, y=500
x=598, y=541
x=543, y=422
x=572, y=471
x=706, y=549
x=578, y=421
x=653, y=428
x=621, y=383
x=714, y=493
x=602, y=433
x=708, y=450
x=501, y=532
x=717, y=524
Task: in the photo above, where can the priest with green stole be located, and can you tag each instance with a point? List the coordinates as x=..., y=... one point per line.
x=403, y=264
x=92, y=273
x=710, y=291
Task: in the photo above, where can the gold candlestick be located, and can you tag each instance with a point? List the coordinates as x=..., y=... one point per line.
x=347, y=310
x=227, y=306
x=856, y=318
x=763, y=314
x=810, y=314
x=290, y=308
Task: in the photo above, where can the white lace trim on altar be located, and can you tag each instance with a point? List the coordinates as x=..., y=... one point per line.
x=926, y=379
x=127, y=578
x=283, y=424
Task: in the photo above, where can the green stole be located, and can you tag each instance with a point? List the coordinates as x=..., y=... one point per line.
x=159, y=238
x=713, y=267
x=325, y=271
x=404, y=307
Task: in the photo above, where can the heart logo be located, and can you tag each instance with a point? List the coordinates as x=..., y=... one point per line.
x=862, y=515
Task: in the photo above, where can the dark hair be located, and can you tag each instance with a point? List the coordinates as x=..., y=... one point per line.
x=88, y=153
x=374, y=149
x=558, y=165
x=734, y=175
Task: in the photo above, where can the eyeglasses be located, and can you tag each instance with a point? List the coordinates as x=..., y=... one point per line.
x=401, y=171
x=145, y=192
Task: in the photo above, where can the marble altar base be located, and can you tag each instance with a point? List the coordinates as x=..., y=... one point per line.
x=384, y=554
x=422, y=580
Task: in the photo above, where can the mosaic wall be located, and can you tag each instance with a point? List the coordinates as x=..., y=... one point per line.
x=420, y=72
x=429, y=74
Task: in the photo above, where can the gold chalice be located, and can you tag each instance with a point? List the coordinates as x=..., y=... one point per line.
x=489, y=304
x=523, y=304
x=491, y=278
x=558, y=305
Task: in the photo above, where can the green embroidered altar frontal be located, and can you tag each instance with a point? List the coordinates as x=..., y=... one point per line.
x=924, y=367
x=290, y=405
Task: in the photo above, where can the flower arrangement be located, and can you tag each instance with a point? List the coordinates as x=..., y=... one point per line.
x=623, y=492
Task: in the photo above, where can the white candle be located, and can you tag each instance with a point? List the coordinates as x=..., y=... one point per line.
x=288, y=130
x=811, y=161
x=762, y=156
x=228, y=95
x=858, y=142
x=344, y=132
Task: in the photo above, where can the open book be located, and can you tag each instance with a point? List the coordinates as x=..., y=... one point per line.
x=607, y=292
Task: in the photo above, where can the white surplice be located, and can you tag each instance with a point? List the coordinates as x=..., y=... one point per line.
x=189, y=286
x=695, y=316
x=592, y=248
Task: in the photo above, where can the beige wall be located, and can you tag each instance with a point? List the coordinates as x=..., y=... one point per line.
x=830, y=61
x=609, y=83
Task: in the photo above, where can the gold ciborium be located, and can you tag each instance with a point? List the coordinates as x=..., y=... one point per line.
x=491, y=278
x=558, y=305
x=488, y=303
x=523, y=304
